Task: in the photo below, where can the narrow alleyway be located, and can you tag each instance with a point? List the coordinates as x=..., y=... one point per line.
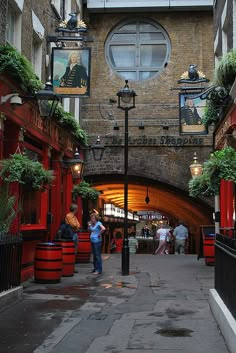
x=160, y=307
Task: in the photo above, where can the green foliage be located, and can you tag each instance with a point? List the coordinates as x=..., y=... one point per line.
x=8, y=210
x=85, y=191
x=68, y=121
x=211, y=114
x=25, y=171
x=224, y=77
x=225, y=73
x=19, y=68
x=221, y=165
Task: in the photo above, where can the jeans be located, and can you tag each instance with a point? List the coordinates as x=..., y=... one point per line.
x=97, y=258
x=75, y=240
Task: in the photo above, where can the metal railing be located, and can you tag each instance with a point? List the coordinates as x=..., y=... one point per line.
x=10, y=261
x=225, y=271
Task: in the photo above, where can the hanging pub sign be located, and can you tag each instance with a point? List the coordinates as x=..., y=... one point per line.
x=191, y=110
x=71, y=71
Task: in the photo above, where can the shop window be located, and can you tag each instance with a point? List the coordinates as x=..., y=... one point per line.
x=138, y=50
x=31, y=206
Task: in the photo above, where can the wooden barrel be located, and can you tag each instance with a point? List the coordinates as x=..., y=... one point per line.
x=84, y=248
x=48, y=263
x=209, y=249
x=68, y=257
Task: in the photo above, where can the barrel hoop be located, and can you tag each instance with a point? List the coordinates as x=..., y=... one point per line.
x=48, y=270
x=50, y=260
x=48, y=248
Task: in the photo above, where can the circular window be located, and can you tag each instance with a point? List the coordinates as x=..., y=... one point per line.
x=138, y=50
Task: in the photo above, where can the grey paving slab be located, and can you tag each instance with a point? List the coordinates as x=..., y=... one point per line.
x=162, y=306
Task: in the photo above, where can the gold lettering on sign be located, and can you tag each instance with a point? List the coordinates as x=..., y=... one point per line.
x=36, y=120
x=220, y=134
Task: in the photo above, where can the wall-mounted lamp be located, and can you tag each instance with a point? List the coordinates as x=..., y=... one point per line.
x=47, y=101
x=76, y=165
x=195, y=167
x=141, y=126
x=46, y=98
x=112, y=101
x=98, y=150
x=116, y=126
x=13, y=99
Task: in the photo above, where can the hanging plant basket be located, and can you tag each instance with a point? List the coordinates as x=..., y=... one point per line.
x=85, y=191
x=221, y=165
x=21, y=169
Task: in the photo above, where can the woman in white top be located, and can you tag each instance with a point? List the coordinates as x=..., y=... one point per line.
x=162, y=235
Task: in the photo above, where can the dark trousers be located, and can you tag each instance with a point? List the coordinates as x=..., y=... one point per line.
x=97, y=258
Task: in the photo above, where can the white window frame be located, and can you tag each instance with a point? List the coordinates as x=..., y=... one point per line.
x=37, y=45
x=234, y=23
x=56, y=4
x=16, y=7
x=138, y=69
x=224, y=26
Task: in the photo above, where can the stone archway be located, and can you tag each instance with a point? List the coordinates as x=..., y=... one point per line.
x=164, y=198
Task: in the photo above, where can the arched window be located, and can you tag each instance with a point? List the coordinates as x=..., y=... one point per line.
x=138, y=50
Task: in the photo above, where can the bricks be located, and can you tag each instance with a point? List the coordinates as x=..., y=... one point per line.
x=156, y=104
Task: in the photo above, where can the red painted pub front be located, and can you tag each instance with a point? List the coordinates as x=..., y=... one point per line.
x=225, y=135
x=22, y=128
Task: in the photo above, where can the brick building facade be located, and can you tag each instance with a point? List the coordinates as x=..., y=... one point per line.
x=158, y=154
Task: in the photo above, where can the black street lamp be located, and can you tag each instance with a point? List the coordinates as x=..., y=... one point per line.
x=75, y=164
x=98, y=150
x=127, y=97
x=47, y=101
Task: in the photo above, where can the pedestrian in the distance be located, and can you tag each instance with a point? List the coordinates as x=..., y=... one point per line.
x=96, y=228
x=181, y=235
x=162, y=234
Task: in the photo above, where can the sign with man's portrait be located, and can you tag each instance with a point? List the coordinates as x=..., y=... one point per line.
x=191, y=112
x=71, y=71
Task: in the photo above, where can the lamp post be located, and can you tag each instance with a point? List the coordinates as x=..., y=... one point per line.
x=127, y=97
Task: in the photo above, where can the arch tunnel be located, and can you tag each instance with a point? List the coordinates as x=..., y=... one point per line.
x=174, y=203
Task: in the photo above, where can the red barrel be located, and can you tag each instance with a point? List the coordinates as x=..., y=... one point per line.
x=209, y=249
x=68, y=257
x=48, y=263
x=84, y=248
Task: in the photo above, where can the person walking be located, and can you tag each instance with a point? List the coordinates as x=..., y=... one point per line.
x=162, y=234
x=181, y=235
x=96, y=228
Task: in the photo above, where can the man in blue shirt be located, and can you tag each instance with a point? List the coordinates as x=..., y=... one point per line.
x=181, y=235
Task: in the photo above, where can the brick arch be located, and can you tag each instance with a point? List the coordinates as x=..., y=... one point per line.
x=164, y=198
